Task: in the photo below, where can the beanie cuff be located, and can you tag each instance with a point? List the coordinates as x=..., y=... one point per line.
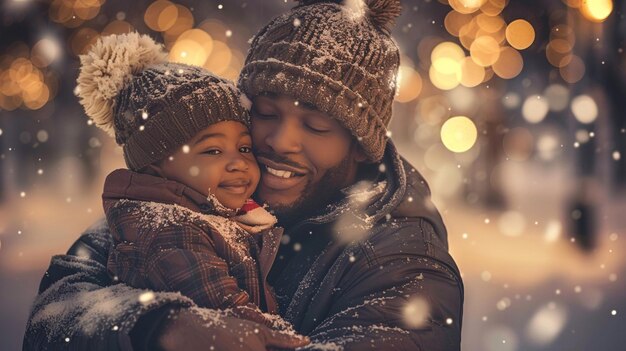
x=328, y=95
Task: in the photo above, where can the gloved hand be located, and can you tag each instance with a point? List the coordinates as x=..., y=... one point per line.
x=201, y=329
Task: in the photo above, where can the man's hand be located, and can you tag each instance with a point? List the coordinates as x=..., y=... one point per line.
x=197, y=329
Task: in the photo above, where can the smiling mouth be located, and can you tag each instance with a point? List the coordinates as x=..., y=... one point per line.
x=280, y=170
x=238, y=186
x=282, y=174
x=235, y=183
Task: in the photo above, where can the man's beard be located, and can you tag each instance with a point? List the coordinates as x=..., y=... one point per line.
x=316, y=196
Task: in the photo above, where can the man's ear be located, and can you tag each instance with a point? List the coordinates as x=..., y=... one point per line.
x=359, y=154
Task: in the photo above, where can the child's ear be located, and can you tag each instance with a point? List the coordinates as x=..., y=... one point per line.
x=154, y=170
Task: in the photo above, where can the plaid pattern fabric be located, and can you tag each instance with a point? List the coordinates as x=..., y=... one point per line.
x=177, y=249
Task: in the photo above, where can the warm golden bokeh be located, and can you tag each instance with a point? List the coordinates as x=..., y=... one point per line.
x=466, y=6
x=472, y=74
x=493, y=7
x=459, y=134
x=446, y=58
x=161, y=15
x=559, y=52
x=442, y=80
x=467, y=33
x=596, y=10
x=23, y=84
x=509, y=64
x=184, y=22
x=485, y=51
x=81, y=40
x=409, y=84
x=490, y=24
x=193, y=47
x=219, y=60
x=574, y=71
x=117, y=27
x=454, y=21
x=74, y=13
x=520, y=34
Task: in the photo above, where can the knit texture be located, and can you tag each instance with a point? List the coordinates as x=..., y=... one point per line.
x=166, y=105
x=152, y=107
x=338, y=57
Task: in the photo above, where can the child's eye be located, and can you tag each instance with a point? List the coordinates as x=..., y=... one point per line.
x=245, y=149
x=212, y=152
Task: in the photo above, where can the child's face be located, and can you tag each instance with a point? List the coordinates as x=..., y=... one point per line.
x=217, y=160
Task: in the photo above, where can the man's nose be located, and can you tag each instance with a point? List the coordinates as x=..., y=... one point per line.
x=237, y=163
x=285, y=138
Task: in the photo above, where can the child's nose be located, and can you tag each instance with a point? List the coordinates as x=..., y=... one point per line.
x=237, y=163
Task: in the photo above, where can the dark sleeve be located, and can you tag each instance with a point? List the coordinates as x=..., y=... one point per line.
x=404, y=301
x=79, y=307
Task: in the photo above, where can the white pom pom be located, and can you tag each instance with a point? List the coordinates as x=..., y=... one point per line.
x=107, y=67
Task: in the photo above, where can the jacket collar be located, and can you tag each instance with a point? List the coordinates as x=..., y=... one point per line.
x=126, y=184
x=399, y=191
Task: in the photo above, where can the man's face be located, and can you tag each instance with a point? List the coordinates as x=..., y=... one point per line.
x=305, y=156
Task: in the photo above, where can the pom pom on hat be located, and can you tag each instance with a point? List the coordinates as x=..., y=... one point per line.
x=382, y=13
x=107, y=67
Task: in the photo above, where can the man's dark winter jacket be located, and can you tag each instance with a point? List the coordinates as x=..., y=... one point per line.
x=373, y=272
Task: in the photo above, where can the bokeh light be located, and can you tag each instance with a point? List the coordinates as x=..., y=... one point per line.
x=485, y=51
x=192, y=47
x=472, y=74
x=558, y=97
x=459, y=134
x=409, y=84
x=117, y=27
x=546, y=324
x=535, y=108
x=509, y=64
x=520, y=34
x=574, y=71
x=585, y=109
x=45, y=52
x=161, y=15
x=466, y=6
x=416, y=313
x=532, y=79
x=596, y=10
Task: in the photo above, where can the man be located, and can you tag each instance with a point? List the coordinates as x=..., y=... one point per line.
x=363, y=262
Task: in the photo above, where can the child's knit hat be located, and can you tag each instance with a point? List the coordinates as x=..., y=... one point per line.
x=151, y=106
x=336, y=55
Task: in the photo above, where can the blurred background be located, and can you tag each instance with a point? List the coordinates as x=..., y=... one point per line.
x=513, y=111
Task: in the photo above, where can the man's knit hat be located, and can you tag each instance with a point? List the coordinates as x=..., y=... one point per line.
x=151, y=106
x=335, y=55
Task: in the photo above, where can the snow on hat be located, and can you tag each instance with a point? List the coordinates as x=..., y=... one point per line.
x=335, y=55
x=151, y=106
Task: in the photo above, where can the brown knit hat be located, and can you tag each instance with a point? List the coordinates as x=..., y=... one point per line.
x=152, y=106
x=336, y=55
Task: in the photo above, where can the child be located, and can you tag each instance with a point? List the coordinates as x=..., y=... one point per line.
x=178, y=213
